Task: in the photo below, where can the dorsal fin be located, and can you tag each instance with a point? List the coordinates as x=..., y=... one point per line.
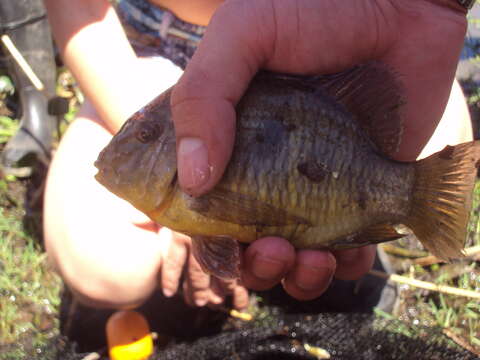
x=373, y=93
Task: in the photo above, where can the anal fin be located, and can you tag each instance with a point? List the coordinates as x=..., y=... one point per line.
x=374, y=234
x=379, y=233
x=219, y=256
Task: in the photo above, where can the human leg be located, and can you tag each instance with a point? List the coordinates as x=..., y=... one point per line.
x=98, y=242
x=455, y=127
x=108, y=253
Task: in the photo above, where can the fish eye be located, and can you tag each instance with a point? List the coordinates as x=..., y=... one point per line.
x=149, y=131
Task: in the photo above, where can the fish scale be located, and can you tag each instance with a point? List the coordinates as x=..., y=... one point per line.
x=323, y=197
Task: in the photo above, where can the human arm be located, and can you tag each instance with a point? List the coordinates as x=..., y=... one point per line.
x=94, y=47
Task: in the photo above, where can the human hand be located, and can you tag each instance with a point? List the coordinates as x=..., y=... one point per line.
x=199, y=288
x=305, y=274
x=421, y=40
x=179, y=271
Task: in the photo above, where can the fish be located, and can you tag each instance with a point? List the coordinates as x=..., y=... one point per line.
x=312, y=163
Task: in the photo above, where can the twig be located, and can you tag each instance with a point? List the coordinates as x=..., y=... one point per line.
x=92, y=356
x=427, y=285
x=241, y=315
x=395, y=250
x=460, y=341
x=12, y=49
x=317, y=351
x=430, y=260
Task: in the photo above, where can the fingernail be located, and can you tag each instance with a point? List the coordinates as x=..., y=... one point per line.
x=168, y=292
x=201, y=302
x=267, y=268
x=193, y=167
x=215, y=299
x=310, y=278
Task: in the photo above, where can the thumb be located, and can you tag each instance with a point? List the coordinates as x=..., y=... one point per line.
x=203, y=102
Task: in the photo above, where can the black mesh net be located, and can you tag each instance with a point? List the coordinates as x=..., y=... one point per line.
x=282, y=328
x=341, y=323
x=340, y=336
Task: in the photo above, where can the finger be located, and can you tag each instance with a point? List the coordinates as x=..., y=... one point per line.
x=240, y=297
x=266, y=261
x=198, y=283
x=311, y=275
x=174, y=260
x=217, y=290
x=230, y=54
x=354, y=263
x=426, y=80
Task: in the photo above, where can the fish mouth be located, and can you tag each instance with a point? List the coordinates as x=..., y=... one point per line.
x=104, y=169
x=142, y=176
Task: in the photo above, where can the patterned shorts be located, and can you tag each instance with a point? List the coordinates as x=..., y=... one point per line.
x=153, y=31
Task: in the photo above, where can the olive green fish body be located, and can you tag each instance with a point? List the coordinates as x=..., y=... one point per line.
x=310, y=164
x=307, y=173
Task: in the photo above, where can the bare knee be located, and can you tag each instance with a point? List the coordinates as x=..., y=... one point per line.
x=111, y=293
x=89, y=233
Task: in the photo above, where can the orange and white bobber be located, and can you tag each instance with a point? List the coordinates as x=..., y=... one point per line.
x=128, y=336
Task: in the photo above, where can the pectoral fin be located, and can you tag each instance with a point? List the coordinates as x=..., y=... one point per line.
x=218, y=255
x=225, y=205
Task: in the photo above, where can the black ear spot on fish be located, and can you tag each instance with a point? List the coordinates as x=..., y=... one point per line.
x=148, y=131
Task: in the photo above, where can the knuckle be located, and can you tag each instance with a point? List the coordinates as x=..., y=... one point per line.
x=200, y=281
x=197, y=278
x=173, y=264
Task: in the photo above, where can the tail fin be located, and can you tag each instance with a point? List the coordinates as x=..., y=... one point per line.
x=442, y=199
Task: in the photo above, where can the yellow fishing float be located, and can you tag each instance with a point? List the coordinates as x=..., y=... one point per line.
x=128, y=336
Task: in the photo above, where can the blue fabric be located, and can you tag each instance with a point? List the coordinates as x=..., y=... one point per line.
x=160, y=32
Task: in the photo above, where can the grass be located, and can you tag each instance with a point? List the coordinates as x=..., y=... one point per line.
x=8, y=127
x=29, y=288
x=458, y=316
x=29, y=291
